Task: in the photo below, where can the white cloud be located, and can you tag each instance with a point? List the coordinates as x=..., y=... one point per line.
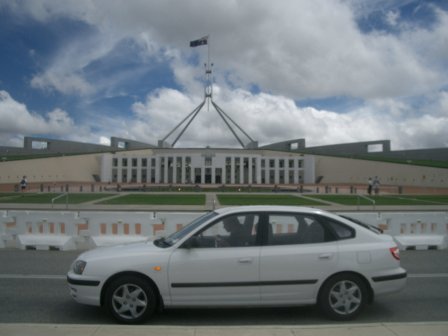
x=65, y=83
x=299, y=49
x=296, y=50
x=269, y=118
x=16, y=119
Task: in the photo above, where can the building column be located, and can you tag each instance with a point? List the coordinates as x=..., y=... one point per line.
x=184, y=169
x=139, y=170
x=267, y=169
x=223, y=173
x=249, y=177
x=157, y=170
x=174, y=170
x=165, y=170
x=119, y=169
x=232, y=170
x=148, y=169
x=213, y=168
x=277, y=171
x=242, y=170
x=202, y=175
x=129, y=168
x=258, y=170
x=296, y=171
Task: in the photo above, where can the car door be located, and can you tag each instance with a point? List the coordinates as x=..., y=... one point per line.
x=217, y=267
x=298, y=253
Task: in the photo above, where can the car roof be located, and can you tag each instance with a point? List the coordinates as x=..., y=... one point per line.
x=270, y=208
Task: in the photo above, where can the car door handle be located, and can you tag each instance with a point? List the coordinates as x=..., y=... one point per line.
x=245, y=260
x=325, y=256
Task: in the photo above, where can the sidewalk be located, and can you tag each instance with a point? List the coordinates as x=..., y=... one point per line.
x=374, y=329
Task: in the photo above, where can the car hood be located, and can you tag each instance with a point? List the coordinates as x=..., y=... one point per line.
x=117, y=251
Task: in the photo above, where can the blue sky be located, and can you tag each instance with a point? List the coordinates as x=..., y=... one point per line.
x=324, y=70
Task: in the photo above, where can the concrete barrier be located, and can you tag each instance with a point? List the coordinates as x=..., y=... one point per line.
x=46, y=230
x=174, y=221
x=411, y=230
x=82, y=230
x=112, y=228
x=8, y=232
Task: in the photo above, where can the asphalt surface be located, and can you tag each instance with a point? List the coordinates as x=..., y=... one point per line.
x=33, y=290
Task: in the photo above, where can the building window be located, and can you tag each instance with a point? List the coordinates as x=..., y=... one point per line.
x=282, y=177
x=134, y=176
x=124, y=162
x=144, y=162
x=134, y=162
x=114, y=162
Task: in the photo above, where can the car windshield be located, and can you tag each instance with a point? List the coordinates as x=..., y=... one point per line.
x=176, y=236
x=365, y=225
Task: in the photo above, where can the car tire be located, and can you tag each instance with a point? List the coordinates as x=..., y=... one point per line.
x=131, y=299
x=343, y=297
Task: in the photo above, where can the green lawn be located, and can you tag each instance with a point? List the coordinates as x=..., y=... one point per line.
x=385, y=200
x=159, y=199
x=224, y=199
x=227, y=200
x=45, y=198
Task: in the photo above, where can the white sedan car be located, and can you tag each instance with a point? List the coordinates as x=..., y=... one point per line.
x=244, y=256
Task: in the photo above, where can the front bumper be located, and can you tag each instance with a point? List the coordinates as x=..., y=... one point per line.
x=84, y=290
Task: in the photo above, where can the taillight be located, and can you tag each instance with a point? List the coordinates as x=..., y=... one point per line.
x=395, y=251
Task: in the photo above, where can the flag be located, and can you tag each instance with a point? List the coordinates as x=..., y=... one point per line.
x=199, y=42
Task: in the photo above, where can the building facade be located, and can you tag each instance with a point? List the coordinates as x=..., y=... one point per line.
x=207, y=166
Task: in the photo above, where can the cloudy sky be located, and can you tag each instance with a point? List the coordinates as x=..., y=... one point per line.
x=328, y=71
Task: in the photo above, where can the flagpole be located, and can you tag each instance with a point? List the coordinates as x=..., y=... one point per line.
x=208, y=76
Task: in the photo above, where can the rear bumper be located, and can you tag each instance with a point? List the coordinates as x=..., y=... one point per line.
x=389, y=283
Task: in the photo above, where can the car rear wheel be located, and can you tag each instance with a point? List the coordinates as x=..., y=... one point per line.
x=343, y=297
x=131, y=299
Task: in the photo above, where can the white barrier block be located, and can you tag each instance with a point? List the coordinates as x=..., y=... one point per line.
x=8, y=231
x=113, y=228
x=174, y=221
x=421, y=242
x=44, y=230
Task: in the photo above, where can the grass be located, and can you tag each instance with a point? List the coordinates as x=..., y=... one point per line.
x=168, y=199
x=223, y=198
x=45, y=198
x=227, y=200
x=385, y=200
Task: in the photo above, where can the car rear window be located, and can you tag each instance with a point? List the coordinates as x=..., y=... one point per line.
x=342, y=231
x=364, y=225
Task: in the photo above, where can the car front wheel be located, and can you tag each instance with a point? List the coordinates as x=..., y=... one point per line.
x=130, y=299
x=343, y=297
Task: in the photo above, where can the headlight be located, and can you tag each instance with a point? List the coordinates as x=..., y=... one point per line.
x=79, y=266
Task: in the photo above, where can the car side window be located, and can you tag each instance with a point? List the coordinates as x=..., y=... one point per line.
x=231, y=231
x=342, y=231
x=289, y=229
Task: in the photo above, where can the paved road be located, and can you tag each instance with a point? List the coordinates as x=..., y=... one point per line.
x=33, y=290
